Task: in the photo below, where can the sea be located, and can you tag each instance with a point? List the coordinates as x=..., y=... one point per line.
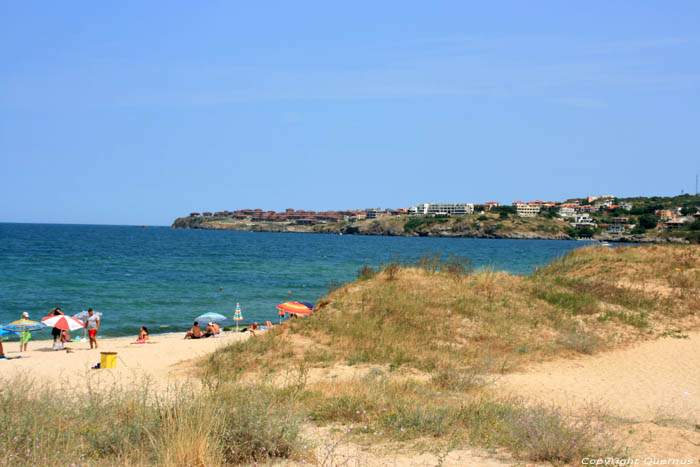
x=163, y=278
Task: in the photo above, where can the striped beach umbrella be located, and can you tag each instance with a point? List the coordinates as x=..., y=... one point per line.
x=237, y=315
x=63, y=322
x=23, y=325
x=294, y=308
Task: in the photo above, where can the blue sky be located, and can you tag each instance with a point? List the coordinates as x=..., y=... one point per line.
x=139, y=112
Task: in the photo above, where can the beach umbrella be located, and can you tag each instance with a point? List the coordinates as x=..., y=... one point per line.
x=63, y=322
x=23, y=325
x=211, y=316
x=237, y=315
x=294, y=308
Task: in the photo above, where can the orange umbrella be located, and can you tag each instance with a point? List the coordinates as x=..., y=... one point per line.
x=294, y=308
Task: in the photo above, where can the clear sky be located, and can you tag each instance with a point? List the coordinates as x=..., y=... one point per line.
x=136, y=112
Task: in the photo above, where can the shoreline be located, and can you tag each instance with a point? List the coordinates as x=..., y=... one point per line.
x=380, y=230
x=9, y=340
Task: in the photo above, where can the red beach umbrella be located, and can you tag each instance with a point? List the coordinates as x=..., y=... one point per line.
x=294, y=308
x=63, y=322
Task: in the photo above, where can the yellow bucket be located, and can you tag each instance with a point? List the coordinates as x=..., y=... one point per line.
x=108, y=360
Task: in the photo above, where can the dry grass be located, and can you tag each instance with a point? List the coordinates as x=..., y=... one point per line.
x=424, y=318
x=185, y=427
x=430, y=338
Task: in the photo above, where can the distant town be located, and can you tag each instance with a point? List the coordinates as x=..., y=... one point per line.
x=588, y=216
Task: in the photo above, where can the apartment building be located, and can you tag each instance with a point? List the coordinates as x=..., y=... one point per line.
x=527, y=210
x=448, y=209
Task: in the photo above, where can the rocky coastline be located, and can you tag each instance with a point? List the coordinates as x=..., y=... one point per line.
x=397, y=228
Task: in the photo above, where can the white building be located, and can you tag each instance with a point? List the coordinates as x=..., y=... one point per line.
x=567, y=211
x=527, y=210
x=446, y=209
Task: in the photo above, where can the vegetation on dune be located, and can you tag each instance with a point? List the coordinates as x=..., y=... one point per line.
x=433, y=334
x=234, y=424
x=439, y=314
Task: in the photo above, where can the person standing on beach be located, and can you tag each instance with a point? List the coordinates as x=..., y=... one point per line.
x=92, y=324
x=24, y=336
x=55, y=332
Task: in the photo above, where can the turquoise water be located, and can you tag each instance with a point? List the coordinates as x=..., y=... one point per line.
x=163, y=278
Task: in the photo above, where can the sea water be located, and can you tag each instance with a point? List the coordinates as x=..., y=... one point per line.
x=163, y=278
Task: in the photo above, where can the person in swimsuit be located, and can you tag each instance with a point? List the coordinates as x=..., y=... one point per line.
x=195, y=332
x=143, y=336
x=212, y=330
x=253, y=328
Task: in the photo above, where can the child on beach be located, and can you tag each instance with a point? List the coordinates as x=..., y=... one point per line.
x=24, y=336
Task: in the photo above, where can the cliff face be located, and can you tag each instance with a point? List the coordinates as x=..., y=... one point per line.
x=392, y=226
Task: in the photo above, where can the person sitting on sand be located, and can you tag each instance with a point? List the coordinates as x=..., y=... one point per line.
x=212, y=330
x=253, y=328
x=195, y=332
x=143, y=335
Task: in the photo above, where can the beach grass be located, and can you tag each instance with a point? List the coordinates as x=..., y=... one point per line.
x=431, y=336
x=184, y=426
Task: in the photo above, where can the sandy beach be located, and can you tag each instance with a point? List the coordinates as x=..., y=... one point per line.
x=164, y=359
x=650, y=390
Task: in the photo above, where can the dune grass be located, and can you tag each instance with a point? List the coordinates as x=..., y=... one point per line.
x=234, y=424
x=458, y=328
x=436, y=316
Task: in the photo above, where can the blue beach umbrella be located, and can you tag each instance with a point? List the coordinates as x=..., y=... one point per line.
x=211, y=316
x=310, y=305
x=23, y=325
